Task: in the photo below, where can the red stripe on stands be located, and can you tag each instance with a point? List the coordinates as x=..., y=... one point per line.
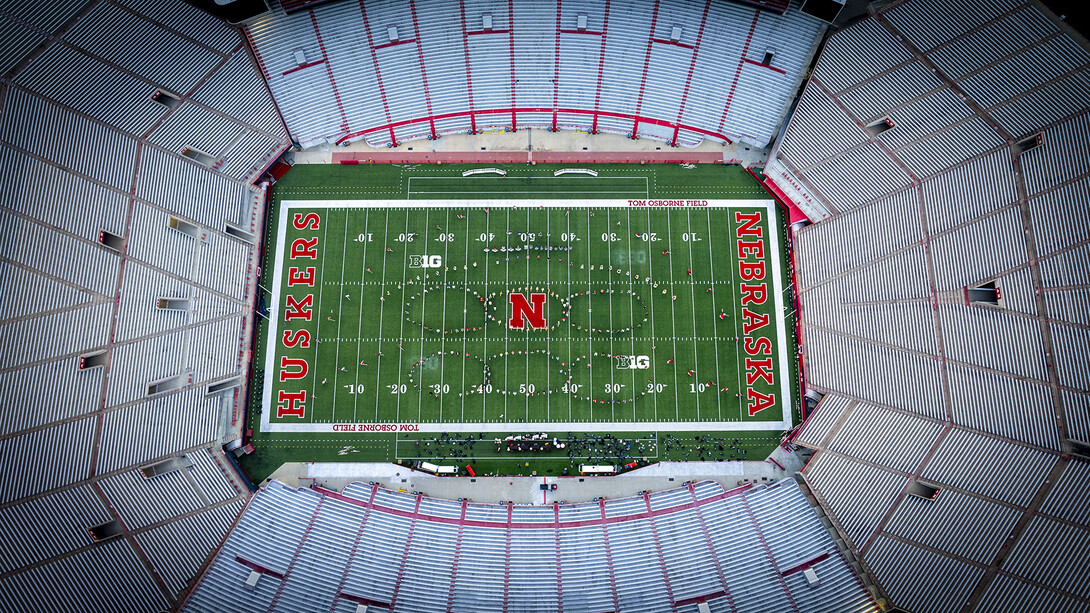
x=378, y=74
x=478, y=32
x=257, y=54
x=405, y=552
x=511, y=30
x=684, y=602
x=658, y=549
x=804, y=565
x=507, y=561
x=738, y=71
x=609, y=557
x=592, y=33
x=692, y=67
x=559, y=576
x=423, y=71
x=302, y=66
x=367, y=602
x=556, y=66
x=513, y=111
x=646, y=64
x=457, y=544
x=672, y=42
x=329, y=71
x=601, y=70
x=763, y=65
x=768, y=553
x=259, y=568
x=295, y=556
x=711, y=554
x=394, y=43
x=469, y=76
x=352, y=553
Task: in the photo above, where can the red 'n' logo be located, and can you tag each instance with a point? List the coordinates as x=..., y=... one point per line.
x=519, y=307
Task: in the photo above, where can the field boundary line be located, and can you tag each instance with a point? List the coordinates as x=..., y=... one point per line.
x=584, y=426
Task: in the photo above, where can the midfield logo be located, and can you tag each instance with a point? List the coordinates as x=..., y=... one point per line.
x=520, y=308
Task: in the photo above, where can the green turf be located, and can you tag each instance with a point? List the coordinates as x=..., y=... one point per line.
x=429, y=379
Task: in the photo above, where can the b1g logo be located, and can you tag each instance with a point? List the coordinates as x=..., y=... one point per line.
x=633, y=362
x=425, y=261
x=521, y=310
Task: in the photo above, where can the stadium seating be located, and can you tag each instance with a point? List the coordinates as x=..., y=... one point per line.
x=107, y=210
x=386, y=549
x=129, y=175
x=934, y=397
x=338, y=76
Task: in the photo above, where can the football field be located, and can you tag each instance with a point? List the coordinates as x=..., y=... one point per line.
x=489, y=315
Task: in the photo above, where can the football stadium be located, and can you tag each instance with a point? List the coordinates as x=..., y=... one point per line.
x=520, y=305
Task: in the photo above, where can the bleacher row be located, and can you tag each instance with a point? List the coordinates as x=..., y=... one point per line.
x=128, y=173
x=673, y=70
x=743, y=550
x=1035, y=79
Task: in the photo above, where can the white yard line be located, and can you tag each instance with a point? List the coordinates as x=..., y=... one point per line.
x=359, y=329
x=423, y=307
x=651, y=318
x=711, y=268
x=503, y=319
x=484, y=346
x=443, y=335
x=612, y=367
x=673, y=311
x=525, y=332
x=567, y=292
x=590, y=334
x=631, y=307
x=382, y=305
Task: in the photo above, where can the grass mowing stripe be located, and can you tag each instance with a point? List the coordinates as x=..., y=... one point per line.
x=631, y=310
x=507, y=328
x=465, y=316
x=673, y=310
x=692, y=308
x=571, y=364
x=340, y=319
x=484, y=401
x=423, y=311
x=317, y=353
x=401, y=335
